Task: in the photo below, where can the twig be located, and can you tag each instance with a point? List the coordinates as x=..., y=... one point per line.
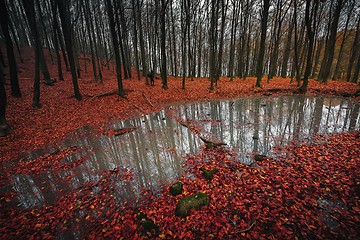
x=139, y=108
x=105, y=94
x=248, y=229
x=147, y=99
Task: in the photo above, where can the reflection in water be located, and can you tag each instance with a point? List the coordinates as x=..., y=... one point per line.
x=155, y=150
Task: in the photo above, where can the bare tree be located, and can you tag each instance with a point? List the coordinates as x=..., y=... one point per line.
x=260, y=60
x=4, y=21
x=109, y=8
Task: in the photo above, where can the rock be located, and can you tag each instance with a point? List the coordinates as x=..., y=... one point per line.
x=149, y=228
x=176, y=188
x=259, y=157
x=195, y=201
x=208, y=174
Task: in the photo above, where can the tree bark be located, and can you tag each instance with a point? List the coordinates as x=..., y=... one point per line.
x=260, y=60
x=4, y=21
x=30, y=14
x=163, y=44
x=65, y=22
x=310, y=35
x=329, y=51
x=109, y=8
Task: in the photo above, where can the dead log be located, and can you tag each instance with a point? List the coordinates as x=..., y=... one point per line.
x=105, y=94
x=148, y=100
x=137, y=107
x=211, y=144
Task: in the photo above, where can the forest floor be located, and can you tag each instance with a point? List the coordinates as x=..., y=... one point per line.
x=285, y=199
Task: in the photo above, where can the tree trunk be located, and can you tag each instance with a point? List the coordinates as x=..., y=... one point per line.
x=354, y=51
x=284, y=65
x=87, y=15
x=163, y=44
x=310, y=34
x=65, y=22
x=56, y=42
x=338, y=62
x=329, y=51
x=135, y=37
x=142, y=44
x=260, y=60
x=109, y=8
x=4, y=127
x=30, y=14
x=213, y=41
x=4, y=21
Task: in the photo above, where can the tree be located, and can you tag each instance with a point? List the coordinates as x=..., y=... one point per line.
x=213, y=41
x=354, y=51
x=30, y=14
x=109, y=8
x=65, y=23
x=330, y=46
x=260, y=60
x=4, y=22
x=4, y=127
x=310, y=22
x=56, y=41
x=164, y=4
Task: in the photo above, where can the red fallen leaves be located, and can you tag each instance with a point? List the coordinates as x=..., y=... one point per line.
x=303, y=195
x=54, y=162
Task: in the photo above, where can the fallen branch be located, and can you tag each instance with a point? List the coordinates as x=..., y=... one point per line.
x=148, y=100
x=211, y=144
x=105, y=94
x=137, y=107
x=249, y=228
x=122, y=131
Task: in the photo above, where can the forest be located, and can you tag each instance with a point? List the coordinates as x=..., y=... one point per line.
x=96, y=134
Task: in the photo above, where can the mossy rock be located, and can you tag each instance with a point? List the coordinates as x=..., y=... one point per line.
x=195, y=201
x=208, y=174
x=148, y=227
x=259, y=157
x=357, y=92
x=176, y=188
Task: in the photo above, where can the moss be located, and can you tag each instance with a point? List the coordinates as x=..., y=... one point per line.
x=148, y=227
x=176, y=188
x=195, y=201
x=259, y=157
x=208, y=174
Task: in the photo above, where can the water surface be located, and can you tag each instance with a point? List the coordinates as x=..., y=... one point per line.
x=154, y=152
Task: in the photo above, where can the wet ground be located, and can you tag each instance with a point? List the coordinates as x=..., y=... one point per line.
x=153, y=148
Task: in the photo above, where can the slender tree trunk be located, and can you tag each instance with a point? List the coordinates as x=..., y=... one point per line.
x=173, y=40
x=142, y=44
x=163, y=44
x=30, y=14
x=355, y=77
x=317, y=58
x=4, y=127
x=284, y=65
x=65, y=22
x=260, y=60
x=56, y=42
x=213, y=41
x=338, y=62
x=310, y=34
x=354, y=51
x=4, y=21
x=87, y=16
x=329, y=51
x=109, y=8
x=135, y=37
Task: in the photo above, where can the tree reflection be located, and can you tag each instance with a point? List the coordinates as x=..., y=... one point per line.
x=155, y=150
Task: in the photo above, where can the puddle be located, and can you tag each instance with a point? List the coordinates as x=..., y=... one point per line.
x=155, y=150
